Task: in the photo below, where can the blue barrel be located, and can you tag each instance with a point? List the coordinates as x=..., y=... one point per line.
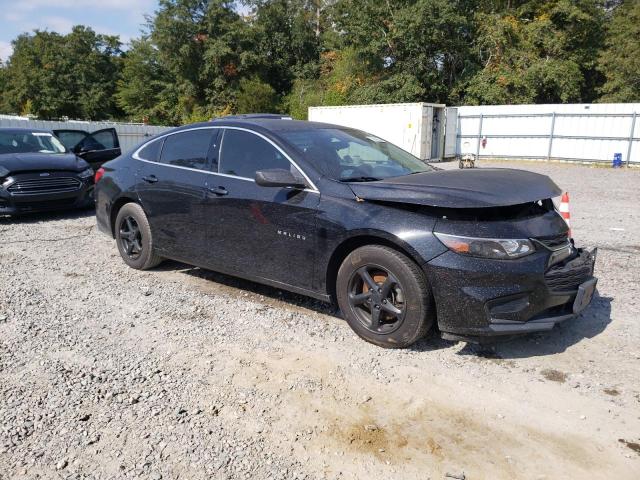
x=617, y=160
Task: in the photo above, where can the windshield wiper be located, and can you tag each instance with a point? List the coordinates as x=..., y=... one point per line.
x=360, y=179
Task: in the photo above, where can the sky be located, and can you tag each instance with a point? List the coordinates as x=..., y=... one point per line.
x=112, y=17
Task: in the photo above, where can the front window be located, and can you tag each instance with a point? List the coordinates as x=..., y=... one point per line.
x=244, y=153
x=29, y=142
x=354, y=156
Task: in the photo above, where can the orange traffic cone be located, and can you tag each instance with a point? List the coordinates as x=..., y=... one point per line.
x=564, y=210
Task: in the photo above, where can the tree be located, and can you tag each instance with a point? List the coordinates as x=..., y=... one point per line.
x=620, y=60
x=254, y=95
x=416, y=50
x=144, y=89
x=538, y=52
x=63, y=75
x=286, y=40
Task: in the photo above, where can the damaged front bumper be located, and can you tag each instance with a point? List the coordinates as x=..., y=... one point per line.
x=479, y=298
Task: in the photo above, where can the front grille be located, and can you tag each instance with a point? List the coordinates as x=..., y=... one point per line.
x=554, y=242
x=45, y=185
x=568, y=277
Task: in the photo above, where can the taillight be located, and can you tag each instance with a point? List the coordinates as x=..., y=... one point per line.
x=99, y=175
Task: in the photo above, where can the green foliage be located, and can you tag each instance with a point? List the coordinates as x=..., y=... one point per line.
x=255, y=96
x=620, y=60
x=199, y=59
x=73, y=75
x=538, y=52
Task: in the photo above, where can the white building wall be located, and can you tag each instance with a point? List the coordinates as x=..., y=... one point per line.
x=525, y=131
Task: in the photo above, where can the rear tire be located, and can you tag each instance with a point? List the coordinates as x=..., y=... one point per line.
x=134, y=239
x=384, y=297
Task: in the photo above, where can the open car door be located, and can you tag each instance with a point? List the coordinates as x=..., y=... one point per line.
x=95, y=148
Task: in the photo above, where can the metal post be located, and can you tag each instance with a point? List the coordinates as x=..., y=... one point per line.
x=479, y=138
x=553, y=126
x=633, y=129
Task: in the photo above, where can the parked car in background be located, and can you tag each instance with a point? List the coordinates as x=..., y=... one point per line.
x=336, y=213
x=37, y=173
x=95, y=148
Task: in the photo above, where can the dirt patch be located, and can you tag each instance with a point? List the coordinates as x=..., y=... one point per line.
x=370, y=438
x=554, y=375
x=632, y=445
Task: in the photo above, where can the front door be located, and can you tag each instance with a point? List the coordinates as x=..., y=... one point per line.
x=171, y=176
x=259, y=231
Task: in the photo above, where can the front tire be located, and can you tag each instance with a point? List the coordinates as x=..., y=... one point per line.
x=134, y=239
x=384, y=297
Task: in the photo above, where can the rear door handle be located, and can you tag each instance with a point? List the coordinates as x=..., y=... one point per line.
x=150, y=179
x=219, y=191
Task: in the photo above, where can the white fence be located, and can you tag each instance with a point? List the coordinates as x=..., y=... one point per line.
x=585, y=132
x=129, y=134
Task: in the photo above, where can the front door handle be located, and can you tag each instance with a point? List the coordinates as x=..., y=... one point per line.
x=219, y=190
x=150, y=179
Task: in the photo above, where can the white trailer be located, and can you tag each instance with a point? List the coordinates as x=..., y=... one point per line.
x=418, y=128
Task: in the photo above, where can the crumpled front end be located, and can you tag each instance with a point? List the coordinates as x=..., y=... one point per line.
x=477, y=298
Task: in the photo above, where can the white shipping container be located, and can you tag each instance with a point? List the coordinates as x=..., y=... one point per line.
x=418, y=128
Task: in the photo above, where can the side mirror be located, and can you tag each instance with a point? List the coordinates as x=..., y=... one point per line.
x=277, y=177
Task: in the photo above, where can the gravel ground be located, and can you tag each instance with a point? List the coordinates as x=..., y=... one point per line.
x=108, y=372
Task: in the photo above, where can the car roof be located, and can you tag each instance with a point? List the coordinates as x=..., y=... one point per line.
x=22, y=130
x=273, y=123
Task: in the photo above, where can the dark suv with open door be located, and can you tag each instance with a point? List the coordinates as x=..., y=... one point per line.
x=339, y=214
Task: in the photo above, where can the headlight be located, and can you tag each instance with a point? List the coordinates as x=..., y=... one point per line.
x=86, y=173
x=497, y=248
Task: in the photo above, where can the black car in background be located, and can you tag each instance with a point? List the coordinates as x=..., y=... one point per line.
x=339, y=214
x=37, y=173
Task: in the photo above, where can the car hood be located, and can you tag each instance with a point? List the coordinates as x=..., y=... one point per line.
x=469, y=188
x=27, y=162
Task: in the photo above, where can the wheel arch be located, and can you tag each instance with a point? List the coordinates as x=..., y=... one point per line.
x=360, y=240
x=115, y=208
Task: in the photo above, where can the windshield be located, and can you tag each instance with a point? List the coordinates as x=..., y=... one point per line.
x=354, y=156
x=27, y=142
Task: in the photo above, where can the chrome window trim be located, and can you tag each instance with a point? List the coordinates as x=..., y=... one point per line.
x=136, y=155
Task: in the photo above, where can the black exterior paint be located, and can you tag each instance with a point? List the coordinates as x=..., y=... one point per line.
x=296, y=239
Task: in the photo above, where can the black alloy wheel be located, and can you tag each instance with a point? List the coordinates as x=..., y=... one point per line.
x=131, y=237
x=134, y=238
x=377, y=299
x=384, y=296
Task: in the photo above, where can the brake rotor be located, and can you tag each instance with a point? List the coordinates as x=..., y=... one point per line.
x=379, y=278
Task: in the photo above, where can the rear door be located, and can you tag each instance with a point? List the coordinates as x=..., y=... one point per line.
x=171, y=176
x=95, y=148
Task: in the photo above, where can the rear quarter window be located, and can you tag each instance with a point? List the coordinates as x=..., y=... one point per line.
x=151, y=151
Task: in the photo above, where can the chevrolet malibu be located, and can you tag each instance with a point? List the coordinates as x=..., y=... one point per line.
x=342, y=215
